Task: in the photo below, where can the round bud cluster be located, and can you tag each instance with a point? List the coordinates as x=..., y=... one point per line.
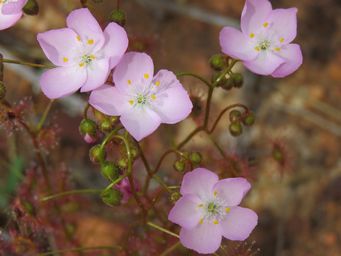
x=218, y=62
x=235, y=80
x=194, y=158
x=237, y=119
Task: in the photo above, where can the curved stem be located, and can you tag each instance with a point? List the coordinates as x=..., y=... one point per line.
x=208, y=106
x=85, y=112
x=71, y=192
x=180, y=74
x=80, y=249
x=34, y=65
x=44, y=116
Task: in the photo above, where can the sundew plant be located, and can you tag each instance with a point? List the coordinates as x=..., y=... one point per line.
x=166, y=197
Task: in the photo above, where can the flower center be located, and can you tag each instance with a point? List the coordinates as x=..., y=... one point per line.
x=86, y=59
x=213, y=208
x=264, y=45
x=141, y=99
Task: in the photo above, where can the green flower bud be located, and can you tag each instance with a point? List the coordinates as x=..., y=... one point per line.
x=179, y=165
x=97, y=154
x=235, y=116
x=249, y=119
x=238, y=80
x=110, y=170
x=31, y=7
x=218, y=62
x=2, y=90
x=119, y=17
x=195, y=157
x=106, y=125
x=222, y=82
x=175, y=196
x=122, y=163
x=87, y=126
x=236, y=129
x=111, y=197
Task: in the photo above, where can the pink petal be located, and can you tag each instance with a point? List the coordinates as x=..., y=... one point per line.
x=59, y=45
x=140, y=122
x=284, y=24
x=265, y=64
x=254, y=14
x=116, y=43
x=199, y=182
x=59, y=82
x=232, y=190
x=134, y=70
x=236, y=45
x=239, y=223
x=98, y=72
x=172, y=102
x=13, y=7
x=205, y=238
x=86, y=26
x=186, y=212
x=109, y=100
x=293, y=60
x=7, y=21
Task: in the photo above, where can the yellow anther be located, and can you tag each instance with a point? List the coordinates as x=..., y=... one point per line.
x=81, y=64
x=281, y=39
x=201, y=221
x=157, y=83
x=78, y=38
x=257, y=48
x=153, y=96
x=91, y=41
x=129, y=82
x=215, y=222
x=65, y=59
x=215, y=193
x=277, y=49
x=146, y=76
x=265, y=24
x=252, y=35
x=227, y=210
x=131, y=102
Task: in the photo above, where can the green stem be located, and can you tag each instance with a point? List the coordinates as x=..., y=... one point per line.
x=180, y=74
x=224, y=73
x=162, y=229
x=80, y=249
x=170, y=249
x=208, y=106
x=85, y=112
x=44, y=116
x=71, y=192
x=34, y=65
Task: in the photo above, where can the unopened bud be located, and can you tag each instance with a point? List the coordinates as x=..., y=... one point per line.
x=195, y=157
x=235, y=129
x=235, y=116
x=97, y=154
x=238, y=80
x=87, y=126
x=110, y=170
x=111, y=197
x=119, y=17
x=31, y=7
x=249, y=119
x=106, y=125
x=179, y=165
x=218, y=62
x=122, y=163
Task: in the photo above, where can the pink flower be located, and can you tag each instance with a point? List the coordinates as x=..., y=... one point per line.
x=125, y=188
x=83, y=53
x=264, y=44
x=142, y=101
x=10, y=12
x=208, y=210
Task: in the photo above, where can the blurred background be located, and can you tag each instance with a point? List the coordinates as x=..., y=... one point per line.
x=291, y=154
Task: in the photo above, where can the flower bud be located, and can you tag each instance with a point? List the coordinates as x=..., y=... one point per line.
x=175, y=196
x=119, y=17
x=249, y=119
x=106, y=125
x=238, y=80
x=179, y=165
x=97, y=154
x=110, y=170
x=195, y=157
x=31, y=7
x=87, y=126
x=122, y=163
x=235, y=129
x=2, y=90
x=235, y=116
x=218, y=62
x=222, y=82
x=111, y=197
